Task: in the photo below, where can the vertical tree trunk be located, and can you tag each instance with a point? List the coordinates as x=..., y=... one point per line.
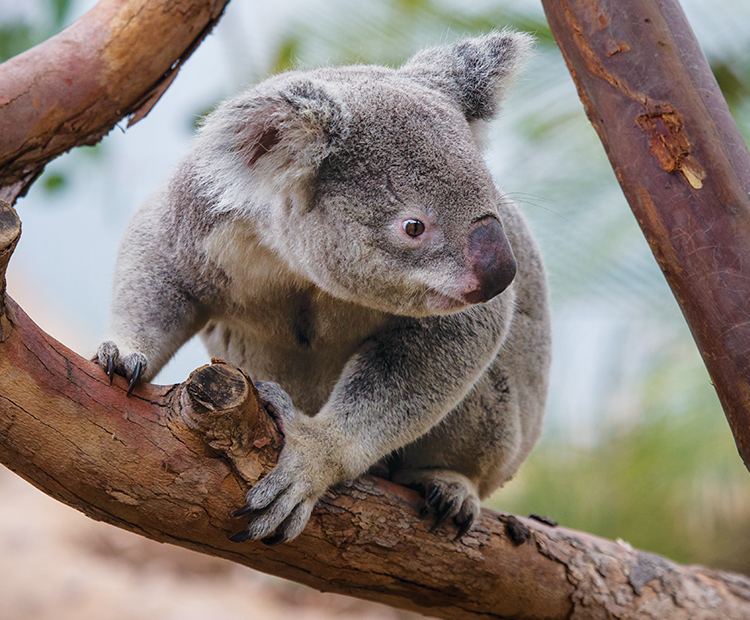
x=682, y=164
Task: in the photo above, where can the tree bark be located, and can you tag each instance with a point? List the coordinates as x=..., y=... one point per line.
x=114, y=62
x=171, y=463
x=682, y=164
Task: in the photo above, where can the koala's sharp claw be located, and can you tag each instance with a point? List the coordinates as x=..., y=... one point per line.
x=443, y=514
x=240, y=536
x=464, y=527
x=241, y=511
x=135, y=377
x=433, y=497
x=273, y=540
x=110, y=368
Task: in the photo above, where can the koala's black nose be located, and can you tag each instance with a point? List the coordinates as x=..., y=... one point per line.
x=490, y=258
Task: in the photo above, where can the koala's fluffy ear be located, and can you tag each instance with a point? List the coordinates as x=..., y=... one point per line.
x=281, y=131
x=475, y=73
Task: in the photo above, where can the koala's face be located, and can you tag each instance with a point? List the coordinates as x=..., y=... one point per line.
x=368, y=181
x=403, y=216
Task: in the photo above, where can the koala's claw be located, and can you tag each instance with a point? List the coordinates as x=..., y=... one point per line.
x=464, y=526
x=447, y=495
x=132, y=366
x=432, y=497
x=273, y=540
x=241, y=511
x=240, y=536
x=447, y=510
x=135, y=377
x=110, y=368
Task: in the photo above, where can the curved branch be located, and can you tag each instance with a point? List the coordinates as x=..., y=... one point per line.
x=682, y=164
x=116, y=61
x=171, y=463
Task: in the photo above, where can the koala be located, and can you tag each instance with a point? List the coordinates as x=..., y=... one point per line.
x=336, y=233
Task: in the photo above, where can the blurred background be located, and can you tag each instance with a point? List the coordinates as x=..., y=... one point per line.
x=635, y=445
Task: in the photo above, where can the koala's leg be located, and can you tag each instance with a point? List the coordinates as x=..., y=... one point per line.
x=475, y=448
x=482, y=442
x=390, y=393
x=152, y=314
x=148, y=323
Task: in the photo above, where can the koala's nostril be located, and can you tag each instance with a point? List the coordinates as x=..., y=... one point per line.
x=491, y=260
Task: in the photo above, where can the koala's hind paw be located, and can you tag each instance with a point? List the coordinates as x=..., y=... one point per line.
x=132, y=366
x=447, y=495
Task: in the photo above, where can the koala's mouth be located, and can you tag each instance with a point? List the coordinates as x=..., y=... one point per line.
x=440, y=303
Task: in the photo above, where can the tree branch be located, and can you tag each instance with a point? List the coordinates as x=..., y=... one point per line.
x=682, y=164
x=116, y=61
x=171, y=462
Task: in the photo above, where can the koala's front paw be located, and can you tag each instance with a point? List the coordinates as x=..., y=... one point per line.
x=132, y=366
x=280, y=505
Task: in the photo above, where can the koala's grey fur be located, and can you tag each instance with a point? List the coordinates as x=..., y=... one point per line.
x=282, y=238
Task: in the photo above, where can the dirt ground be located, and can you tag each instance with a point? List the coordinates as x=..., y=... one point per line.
x=55, y=563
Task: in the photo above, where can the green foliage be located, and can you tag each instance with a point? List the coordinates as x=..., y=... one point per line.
x=53, y=181
x=14, y=39
x=59, y=10
x=386, y=31
x=19, y=35
x=287, y=54
x=668, y=481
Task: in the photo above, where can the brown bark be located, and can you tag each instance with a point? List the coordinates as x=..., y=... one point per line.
x=116, y=61
x=682, y=164
x=171, y=462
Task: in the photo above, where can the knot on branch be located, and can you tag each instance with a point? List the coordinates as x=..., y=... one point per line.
x=220, y=402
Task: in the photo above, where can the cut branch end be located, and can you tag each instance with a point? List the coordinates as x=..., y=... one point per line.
x=220, y=402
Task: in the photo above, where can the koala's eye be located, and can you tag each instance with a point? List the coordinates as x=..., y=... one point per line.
x=413, y=228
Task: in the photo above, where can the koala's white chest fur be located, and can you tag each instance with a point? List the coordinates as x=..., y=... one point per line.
x=277, y=325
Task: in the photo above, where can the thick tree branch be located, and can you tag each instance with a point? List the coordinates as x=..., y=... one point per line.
x=116, y=61
x=170, y=463
x=682, y=165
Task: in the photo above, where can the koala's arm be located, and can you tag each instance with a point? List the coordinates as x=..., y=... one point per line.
x=154, y=309
x=400, y=384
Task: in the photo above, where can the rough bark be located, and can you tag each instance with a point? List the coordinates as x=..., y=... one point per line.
x=171, y=463
x=114, y=62
x=682, y=164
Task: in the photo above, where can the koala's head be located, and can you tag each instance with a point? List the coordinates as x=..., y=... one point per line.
x=369, y=181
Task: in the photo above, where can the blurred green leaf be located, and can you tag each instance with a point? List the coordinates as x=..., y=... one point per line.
x=734, y=88
x=60, y=10
x=54, y=182
x=14, y=39
x=286, y=54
